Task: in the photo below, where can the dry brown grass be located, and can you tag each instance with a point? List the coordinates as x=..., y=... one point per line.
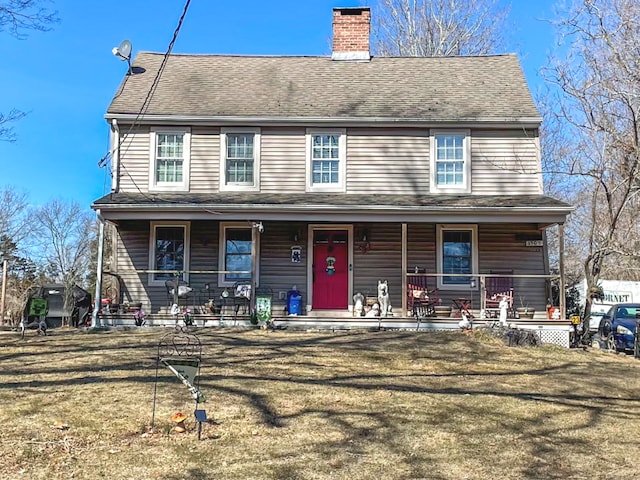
x=355, y=405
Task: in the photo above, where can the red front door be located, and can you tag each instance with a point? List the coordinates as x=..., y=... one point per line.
x=330, y=269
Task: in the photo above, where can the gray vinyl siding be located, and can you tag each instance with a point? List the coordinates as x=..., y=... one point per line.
x=134, y=159
x=505, y=162
x=205, y=160
x=387, y=160
x=132, y=254
x=378, y=160
x=204, y=257
x=283, y=160
x=499, y=251
x=381, y=262
x=277, y=272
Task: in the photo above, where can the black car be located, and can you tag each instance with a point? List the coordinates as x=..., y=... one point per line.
x=619, y=327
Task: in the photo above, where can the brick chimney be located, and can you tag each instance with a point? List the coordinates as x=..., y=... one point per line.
x=351, y=31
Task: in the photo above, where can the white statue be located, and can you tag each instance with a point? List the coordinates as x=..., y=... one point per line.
x=383, y=298
x=374, y=311
x=358, y=304
x=503, y=306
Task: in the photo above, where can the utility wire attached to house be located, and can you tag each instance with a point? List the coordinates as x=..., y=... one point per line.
x=147, y=101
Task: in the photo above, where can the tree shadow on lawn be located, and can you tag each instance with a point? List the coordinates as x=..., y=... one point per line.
x=245, y=369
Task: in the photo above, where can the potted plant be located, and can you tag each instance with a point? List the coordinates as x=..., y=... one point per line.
x=139, y=316
x=188, y=319
x=524, y=310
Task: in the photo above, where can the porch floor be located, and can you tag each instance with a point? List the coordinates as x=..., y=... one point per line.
x=323, y=320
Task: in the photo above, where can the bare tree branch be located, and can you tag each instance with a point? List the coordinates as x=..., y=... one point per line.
x=16, y=16
x=598, y=107
x=65, y=233
x=6, y=132
x=438, y=28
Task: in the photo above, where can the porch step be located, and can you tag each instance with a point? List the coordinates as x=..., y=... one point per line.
x=328, y=314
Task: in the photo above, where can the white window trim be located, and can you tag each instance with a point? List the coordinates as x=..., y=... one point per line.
x=342, y=160
x=255, y=237
x=256, y=160
x=466, y=169
x=152, y=249
x=474, y=254
x=183, y=186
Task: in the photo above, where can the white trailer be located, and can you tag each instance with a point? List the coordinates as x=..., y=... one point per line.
x=615, y=291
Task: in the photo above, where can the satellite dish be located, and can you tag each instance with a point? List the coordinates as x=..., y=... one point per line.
x=123, y=52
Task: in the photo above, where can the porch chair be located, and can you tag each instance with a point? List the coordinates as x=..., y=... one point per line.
x=421, y=300
x=177, y=290
x=242, y=297
x=497, y=288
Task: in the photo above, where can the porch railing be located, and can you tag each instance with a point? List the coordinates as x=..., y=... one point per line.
x=472, y=293
x=199, y=287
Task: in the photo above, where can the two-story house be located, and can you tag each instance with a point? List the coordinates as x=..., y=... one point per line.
x=327, y=174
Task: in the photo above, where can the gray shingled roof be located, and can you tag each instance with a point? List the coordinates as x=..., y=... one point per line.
x=345, y=201
x=486, y=88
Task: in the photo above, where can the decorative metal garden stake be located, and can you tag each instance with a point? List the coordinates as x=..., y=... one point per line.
x=181, y=352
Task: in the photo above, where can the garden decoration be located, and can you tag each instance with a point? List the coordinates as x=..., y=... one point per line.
x=178, y=418
x=139, y=317
x=181, y=352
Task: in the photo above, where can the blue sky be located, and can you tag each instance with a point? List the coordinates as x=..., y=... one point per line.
x=66, y=77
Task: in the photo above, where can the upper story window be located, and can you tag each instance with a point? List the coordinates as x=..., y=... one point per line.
x=168, y=251
x=326, y=159
x=239, y=159
x=450, y=161
x=457, y=255
x=169, y=159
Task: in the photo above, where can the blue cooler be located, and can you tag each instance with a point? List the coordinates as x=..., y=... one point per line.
x=294, y=302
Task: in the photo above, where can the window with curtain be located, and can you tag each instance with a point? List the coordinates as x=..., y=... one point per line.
x=240, y=158
x=450, y=160
x=325, y=159
x=169, y=157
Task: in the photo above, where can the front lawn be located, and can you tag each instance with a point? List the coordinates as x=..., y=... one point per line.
x=298, y=405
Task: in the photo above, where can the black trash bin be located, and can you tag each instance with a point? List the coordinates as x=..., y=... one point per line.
x=294, y=302
x=82, y=307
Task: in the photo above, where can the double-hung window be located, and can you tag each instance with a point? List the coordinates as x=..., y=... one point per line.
x=450, y=161
x=326, y=160
x=168, y=250
x=457, y=255
x=169, y=159
x=236, y=249
x=239, y=159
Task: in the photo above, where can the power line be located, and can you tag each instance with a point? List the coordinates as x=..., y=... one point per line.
x=147, y=101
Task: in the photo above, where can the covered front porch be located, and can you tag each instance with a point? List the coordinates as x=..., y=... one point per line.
x=328, y=248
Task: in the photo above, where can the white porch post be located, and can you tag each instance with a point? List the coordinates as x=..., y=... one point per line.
x=97, y=300
x=561, y=292
x=254, y=269
x=404, y=269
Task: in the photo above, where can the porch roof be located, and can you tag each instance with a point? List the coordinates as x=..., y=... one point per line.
x=333, y=207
